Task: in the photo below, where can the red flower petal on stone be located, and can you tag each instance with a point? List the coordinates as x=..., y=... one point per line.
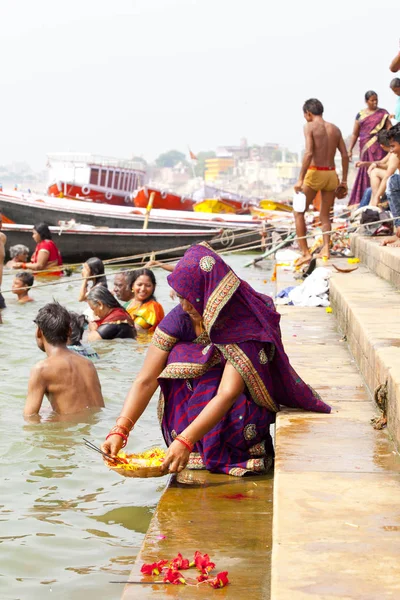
x=179, y=563
x=220, y=580
x=173, y=577
x=202, y=562
x=202, y=577
x=153, y=568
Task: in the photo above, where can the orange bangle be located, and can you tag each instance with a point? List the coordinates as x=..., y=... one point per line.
x=23, y=266
x=128, y=419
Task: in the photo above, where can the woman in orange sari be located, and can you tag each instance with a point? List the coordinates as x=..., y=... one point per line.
x=144, y=309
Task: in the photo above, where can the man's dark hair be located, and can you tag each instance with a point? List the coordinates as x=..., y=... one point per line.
x=369, y=95
x=43, y=230
x=383, y=137
x=77, y=327
x=394, y=134
x=395, y=83
x=313, y=106
x=26, y=278
x=54, y=322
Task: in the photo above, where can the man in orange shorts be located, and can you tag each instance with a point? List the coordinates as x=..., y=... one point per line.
x=318, y=173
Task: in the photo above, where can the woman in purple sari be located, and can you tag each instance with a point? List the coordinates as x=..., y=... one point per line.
x=369, y=122
x=219, y=360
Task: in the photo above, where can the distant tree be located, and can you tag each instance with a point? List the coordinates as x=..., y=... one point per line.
x=170, y=158
x=201, y=161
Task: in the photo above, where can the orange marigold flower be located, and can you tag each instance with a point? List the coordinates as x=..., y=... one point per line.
x=220, y=580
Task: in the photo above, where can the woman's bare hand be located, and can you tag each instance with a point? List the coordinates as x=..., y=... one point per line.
x=113, y=445
x=176, y=458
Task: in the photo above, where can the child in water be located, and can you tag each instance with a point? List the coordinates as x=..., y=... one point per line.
x=21, y=285
x=69, y=381
x=74, y=340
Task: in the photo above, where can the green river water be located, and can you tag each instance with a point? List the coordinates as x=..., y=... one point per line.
x=68, y=525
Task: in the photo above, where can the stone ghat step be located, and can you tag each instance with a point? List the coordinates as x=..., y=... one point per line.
x=227, y=517
x=337, y=480
x=368, y=313
x=384, y=261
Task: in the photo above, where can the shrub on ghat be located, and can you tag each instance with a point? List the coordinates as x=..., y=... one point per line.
x=171, y=571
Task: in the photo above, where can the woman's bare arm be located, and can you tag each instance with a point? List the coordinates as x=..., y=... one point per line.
x=140, y=393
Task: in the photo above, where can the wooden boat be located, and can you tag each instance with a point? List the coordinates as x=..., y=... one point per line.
x=96, y=178
x=162, y=199
x=29, y=208
x=82, y=242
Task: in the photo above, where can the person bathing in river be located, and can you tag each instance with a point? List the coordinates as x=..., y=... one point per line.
x=69, y=381
x=21, y=285
x=112, y=321
x=46, y=257
x=19, y=253
x=92, y=275
x=318, y=174
x=122, y=289
x=75, y=338
x=144, y=309
x=219, y=360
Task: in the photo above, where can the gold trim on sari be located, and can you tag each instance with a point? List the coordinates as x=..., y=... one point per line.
x=163, y=341
x=374, y=131
x=190, y=370
x=219, y=298
x=244, y=366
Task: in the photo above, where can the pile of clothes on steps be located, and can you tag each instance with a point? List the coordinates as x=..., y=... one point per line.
x=314, y=291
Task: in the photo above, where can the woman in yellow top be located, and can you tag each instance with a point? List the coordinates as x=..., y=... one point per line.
x=145, y=311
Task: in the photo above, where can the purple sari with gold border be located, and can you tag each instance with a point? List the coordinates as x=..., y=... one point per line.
x=242, y=327
x=370, y=149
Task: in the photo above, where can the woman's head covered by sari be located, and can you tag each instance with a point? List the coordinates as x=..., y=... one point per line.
x=232, y=311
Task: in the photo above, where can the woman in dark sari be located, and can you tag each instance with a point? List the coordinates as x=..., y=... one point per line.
x=222, y=370
x=369, y=122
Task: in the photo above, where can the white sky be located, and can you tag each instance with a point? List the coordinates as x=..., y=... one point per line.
x=118, y=77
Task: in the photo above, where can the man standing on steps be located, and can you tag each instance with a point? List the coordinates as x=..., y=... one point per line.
x=318, y=173
x=3, y=240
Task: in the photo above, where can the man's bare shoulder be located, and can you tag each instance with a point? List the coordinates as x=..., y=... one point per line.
x=39, y=370
x=394, y=160
x=332, y=128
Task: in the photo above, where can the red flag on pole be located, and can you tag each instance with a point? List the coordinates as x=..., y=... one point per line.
x=192, y=156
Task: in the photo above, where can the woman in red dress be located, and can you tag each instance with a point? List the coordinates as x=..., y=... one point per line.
x=47, y=256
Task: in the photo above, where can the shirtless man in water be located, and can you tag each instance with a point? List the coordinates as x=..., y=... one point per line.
x=3, y=240
x=318, y=173
x=69, y=381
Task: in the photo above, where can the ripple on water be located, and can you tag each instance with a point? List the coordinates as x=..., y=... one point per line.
x=67, y=523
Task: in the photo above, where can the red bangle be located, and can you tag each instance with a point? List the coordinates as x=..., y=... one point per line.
x=122, y=435
x=23, y=266
x=185, y=442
